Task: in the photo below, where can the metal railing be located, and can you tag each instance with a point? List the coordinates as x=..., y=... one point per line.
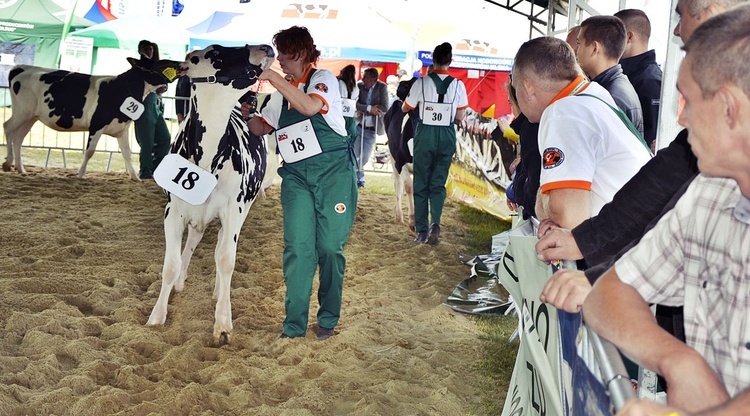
x=45, y=138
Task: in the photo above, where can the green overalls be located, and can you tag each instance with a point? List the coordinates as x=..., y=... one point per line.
x=434, y=147
x=152, y=135
x=319, y=199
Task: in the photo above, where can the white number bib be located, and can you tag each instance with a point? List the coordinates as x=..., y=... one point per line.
x=298, y=142
x=348, y=107
x=132, y=108
x=183, y=179
x=437, y=114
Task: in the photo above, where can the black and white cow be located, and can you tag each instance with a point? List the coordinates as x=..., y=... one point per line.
x=70, y=101
x=215, y=137
x=399, y=130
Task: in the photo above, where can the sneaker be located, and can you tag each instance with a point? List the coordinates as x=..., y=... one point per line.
x=360, y=184
x=434, y=236
x=324, y=333
x=421, y=237
x=284, y=336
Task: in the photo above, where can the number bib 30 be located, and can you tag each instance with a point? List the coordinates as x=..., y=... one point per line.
x=185, y=180
x=298, y=142
x=437, y=114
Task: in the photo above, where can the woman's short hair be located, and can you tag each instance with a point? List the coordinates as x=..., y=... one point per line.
x=297, y=42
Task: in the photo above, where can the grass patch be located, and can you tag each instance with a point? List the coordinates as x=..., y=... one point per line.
x=480, y=227
x=499, y=354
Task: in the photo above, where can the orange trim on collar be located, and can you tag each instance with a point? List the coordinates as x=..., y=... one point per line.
x=296, y=82
x=574, y=88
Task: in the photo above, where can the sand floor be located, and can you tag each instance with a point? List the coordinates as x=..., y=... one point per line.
x=80, y=265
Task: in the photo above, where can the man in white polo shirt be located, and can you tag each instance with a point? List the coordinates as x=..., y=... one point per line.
x=588, y=146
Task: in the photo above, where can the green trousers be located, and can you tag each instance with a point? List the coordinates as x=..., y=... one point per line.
x=152, y=135
x=319, y=200
x=434, y=147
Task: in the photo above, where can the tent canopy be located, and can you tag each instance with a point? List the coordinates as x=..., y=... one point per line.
x=341, y=29
x=30, y=31
x=126, y=32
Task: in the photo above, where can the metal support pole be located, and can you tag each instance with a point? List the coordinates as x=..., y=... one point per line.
x=614, y=374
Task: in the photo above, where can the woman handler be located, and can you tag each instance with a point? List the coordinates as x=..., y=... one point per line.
x=318, y=188
x=443, y=99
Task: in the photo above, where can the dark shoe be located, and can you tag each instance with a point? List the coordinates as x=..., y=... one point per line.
x=421, y=237
x=324, y=333
x=360, y=184
x=433, y=238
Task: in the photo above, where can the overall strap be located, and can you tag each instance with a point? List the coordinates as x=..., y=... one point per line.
x=623, y=118
x=441, y=85
x=285, y=103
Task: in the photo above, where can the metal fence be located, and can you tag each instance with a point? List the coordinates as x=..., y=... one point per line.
x=58, y=144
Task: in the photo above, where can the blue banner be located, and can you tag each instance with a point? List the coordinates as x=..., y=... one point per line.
x=590, y=397
x=489, y=63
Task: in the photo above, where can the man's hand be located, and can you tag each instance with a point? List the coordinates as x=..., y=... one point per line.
x=512, y=206
x=556, y=243
x=376, y=111
x=566, y=290
x=639, y=407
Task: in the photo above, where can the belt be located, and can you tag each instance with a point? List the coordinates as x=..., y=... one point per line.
x=370, y=128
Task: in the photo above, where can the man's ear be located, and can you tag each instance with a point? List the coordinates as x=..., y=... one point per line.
x=597, y=49
x=629, y=36
x=732, y=99
x=528, y=87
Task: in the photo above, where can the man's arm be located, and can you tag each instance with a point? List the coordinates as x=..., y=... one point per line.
x=566, y=207
x=382, y=97
x=617, y=312
x=739, y=405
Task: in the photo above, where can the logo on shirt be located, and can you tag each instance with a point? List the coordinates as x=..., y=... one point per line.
x=428, y=108
x=282, y=137
x=340, y=208
x=552, y=157
x=321, y=87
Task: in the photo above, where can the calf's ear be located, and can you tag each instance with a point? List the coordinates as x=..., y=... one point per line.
x=132, y=61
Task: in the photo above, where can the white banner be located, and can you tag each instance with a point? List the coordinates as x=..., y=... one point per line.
x=535, y=385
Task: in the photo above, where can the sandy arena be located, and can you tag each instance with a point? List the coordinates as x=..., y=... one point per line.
x=80, y=265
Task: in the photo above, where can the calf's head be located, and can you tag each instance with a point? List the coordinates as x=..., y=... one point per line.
x=155, y=73
x=235, y=67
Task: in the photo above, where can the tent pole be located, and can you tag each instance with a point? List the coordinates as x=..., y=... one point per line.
x=66, y=28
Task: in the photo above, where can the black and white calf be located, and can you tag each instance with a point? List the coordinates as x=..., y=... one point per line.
x=399, y=128
x=215, y=137
x=69, y=101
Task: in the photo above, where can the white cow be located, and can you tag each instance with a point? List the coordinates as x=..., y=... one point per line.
x=69, y=101
x=214, y=137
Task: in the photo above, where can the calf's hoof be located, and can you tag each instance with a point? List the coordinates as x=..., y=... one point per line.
x=7, y=167
x=223, y=338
